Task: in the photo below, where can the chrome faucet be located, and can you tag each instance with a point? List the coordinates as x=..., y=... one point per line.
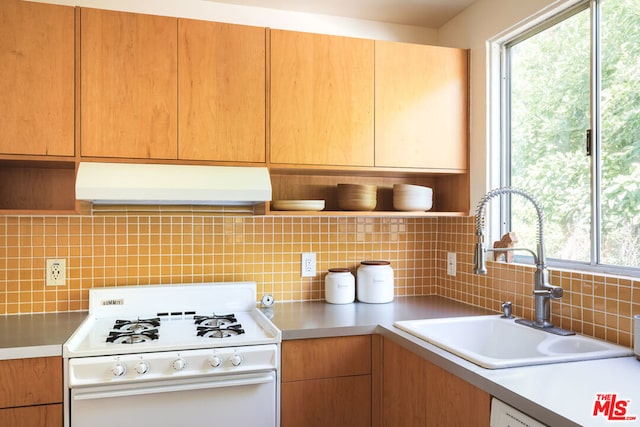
x=543, y=291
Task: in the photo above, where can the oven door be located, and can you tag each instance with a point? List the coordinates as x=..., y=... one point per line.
x=240, y=400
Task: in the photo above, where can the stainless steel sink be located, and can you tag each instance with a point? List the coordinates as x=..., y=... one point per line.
x=494, y=343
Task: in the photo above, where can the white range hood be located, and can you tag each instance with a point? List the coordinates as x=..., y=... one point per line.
x=154, y=184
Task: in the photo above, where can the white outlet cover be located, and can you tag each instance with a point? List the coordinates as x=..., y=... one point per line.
x=451, y=263
x=56, y=272
x=308, y=264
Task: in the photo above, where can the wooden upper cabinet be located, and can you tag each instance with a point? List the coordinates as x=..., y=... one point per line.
x=221, y=86
x=421, y=106
x=321, y=100
x=128, y=84
x=37, y=84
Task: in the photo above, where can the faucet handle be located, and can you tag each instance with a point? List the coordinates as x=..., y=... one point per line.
x=556, y=292
x=550, y=291
x=506, y=309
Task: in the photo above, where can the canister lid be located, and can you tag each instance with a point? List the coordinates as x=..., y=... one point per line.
x=375, y=263
x=338, y=270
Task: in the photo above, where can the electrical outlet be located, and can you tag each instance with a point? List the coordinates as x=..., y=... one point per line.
x=56, y=272
x=308, y=266
x=451, y=263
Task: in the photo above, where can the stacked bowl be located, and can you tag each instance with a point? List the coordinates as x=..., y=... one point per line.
x=407, y=197
x=357, y=197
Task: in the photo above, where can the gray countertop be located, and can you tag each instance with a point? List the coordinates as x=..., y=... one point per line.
x=562, y=394
x=319, y=319
x=36, y=335
x=557, y=395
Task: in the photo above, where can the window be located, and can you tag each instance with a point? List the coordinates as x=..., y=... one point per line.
x=572, y=134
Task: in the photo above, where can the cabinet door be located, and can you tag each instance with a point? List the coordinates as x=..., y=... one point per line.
x=417, y=393
x=321, y=100
x=343, y=401
x=128, y=85
x=37, y=84
x=421, y=106
x=221, y=83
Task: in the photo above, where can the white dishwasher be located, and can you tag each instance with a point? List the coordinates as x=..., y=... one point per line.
x=503, y=415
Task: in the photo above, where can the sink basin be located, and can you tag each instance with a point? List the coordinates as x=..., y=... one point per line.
x=494, y=343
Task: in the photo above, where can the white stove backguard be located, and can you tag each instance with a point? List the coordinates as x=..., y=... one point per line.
x=147, y=301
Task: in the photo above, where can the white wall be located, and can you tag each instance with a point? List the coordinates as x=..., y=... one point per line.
x=482, y=21
x=261, y=17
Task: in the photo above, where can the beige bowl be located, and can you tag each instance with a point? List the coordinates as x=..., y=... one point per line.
x=357, y=205
x=357, y=188
x=357, y=197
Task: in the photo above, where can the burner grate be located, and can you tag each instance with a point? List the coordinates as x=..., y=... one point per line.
x=138, y=325
x=220, y=331
x=132, y=337
x=215, y=320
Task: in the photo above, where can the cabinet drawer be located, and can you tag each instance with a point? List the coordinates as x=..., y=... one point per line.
x=41, y=416
x=326, y=357
x=34, y=381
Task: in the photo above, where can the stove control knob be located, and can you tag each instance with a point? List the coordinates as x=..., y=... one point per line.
x=142, y=367
x=215, y=361
x=236, y=359
x=179, y=364
x=119, y=369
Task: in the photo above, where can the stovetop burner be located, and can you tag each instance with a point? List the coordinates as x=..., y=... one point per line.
x=134, y=331
x=215, y=320
x=220, y=331
x=138, y=325
x=132, y=337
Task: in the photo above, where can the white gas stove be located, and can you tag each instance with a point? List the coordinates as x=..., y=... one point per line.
x=152, y=347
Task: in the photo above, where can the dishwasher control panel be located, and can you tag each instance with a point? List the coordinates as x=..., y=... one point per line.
x=503, y=415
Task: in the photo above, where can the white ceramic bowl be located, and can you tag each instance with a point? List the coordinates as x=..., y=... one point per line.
x=407, y=197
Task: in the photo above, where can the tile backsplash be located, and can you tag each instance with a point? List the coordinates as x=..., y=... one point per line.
x=122, y=250
x=131, y=249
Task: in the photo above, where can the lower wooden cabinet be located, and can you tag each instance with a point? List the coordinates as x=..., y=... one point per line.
x=368, y=380
x=415, y=392
x=326, y=382
x=31, y=392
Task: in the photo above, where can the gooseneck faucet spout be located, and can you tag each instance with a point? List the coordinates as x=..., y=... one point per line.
x=543, y=291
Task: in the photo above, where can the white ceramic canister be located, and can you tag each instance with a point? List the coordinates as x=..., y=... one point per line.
x=339, y=286
x=375, y=282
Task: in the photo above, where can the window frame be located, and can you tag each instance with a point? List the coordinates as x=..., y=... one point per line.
x=499, y=130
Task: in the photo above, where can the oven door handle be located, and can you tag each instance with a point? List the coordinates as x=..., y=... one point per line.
x=183, y=386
